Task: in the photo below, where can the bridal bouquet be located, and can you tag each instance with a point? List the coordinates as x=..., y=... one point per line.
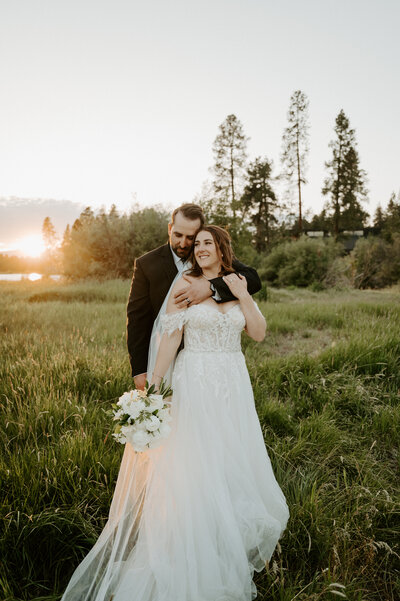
x=143, y=417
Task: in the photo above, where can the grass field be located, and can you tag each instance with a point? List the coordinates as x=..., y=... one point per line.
x=327, y=387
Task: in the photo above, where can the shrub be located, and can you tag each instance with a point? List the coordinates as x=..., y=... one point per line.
x=376, y=263
x=300, y=263
x=340, y=273
x=106, y=245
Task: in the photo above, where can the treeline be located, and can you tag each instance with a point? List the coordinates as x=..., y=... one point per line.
x=105, y=245
x=13, y=264
x=267, y=226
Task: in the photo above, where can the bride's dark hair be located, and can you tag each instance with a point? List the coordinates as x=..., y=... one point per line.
x=224, y=250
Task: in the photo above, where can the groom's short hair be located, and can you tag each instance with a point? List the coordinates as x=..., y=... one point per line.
x=189, y=211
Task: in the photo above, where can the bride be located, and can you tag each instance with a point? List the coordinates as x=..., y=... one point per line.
x=192, y=519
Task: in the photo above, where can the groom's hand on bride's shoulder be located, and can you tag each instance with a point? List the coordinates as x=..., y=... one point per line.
x=196, y=291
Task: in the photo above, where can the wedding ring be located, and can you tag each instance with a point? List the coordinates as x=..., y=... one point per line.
x=188, y=301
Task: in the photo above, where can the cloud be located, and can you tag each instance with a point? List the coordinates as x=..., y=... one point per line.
x=20, y=217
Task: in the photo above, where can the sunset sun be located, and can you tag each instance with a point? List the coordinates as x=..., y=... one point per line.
x=31, y=246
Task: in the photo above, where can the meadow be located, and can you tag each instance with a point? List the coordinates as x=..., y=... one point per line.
x=327, y=388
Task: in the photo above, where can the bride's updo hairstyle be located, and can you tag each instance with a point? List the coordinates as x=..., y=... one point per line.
x=223, y=246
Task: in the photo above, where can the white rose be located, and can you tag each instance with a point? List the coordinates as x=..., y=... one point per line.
x=124, y=399
x=164, y=415
x=127, y=399
x=134, y=395
x=126, y=431
x=141, y=425
x=152, y=423
x=156, y=402
x=139, y=440
x=140, y=404
x=165, y=429
x=134, y=410
x=124, y=403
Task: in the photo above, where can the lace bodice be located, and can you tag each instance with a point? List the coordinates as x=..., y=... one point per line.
x=206, y=328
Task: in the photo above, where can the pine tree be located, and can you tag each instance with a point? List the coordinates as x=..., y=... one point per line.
x=321, y=221
x=346, y=182
x=379, y=218
x=66, y=236
x=393, y=213
x=50, y=262
x=230, y=157
x=260, y=201
x=49, y=234
x=295, y=146
x=390, y=218
x=87, y=216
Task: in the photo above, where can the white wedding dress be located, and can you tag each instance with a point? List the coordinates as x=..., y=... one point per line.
x=191, y=520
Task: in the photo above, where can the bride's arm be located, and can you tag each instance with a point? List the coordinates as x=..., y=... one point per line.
x=169, y=341
x=255, y=321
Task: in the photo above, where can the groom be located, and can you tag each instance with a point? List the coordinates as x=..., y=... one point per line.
x=153, y=275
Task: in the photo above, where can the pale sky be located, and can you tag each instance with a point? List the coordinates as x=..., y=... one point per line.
x=104, y=99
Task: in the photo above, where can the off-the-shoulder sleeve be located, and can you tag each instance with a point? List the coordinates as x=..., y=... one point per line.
x=172, y=321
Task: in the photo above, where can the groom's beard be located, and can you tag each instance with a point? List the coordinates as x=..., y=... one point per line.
x=183, y=253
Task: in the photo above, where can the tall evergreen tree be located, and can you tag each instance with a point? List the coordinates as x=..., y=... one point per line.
x=388, y=220
x=230, y=157
x=379, y=218
x=49, y=234
x=259, y=200
x=393, y=213
x=346, y=182
x=51, y=256
x=295, y=146
x=321, y=221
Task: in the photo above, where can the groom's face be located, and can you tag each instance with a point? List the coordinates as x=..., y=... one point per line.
x=182, y=234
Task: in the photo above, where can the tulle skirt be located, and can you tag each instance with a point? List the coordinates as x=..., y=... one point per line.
x=191, y=520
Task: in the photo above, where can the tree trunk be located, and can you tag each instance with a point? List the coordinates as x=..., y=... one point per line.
x=336, y=217
x=233, y=189
x=259, y=236
x=299, y=179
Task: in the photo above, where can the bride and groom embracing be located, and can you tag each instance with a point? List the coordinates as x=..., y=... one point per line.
x=192, y=519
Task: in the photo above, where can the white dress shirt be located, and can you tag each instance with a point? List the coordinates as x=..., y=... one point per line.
x=181, y=265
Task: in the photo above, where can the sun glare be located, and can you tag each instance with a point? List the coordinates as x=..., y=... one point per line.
x=32, y=277
x=31, y=246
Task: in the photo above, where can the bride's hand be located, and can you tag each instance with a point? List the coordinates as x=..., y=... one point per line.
x=237, y=284
x=156, y=380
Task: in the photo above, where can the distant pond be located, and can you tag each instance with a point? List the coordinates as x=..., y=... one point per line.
x=17, y=277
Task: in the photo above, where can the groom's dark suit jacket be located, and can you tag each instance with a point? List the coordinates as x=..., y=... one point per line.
x=153, y=275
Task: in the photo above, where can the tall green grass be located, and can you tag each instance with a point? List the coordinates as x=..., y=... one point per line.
x=327, y=388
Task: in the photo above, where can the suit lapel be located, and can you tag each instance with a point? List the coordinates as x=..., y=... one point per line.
x=169, y=267
x=163, y=276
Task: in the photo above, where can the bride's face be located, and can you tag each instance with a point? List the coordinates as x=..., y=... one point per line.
x=205, y=250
